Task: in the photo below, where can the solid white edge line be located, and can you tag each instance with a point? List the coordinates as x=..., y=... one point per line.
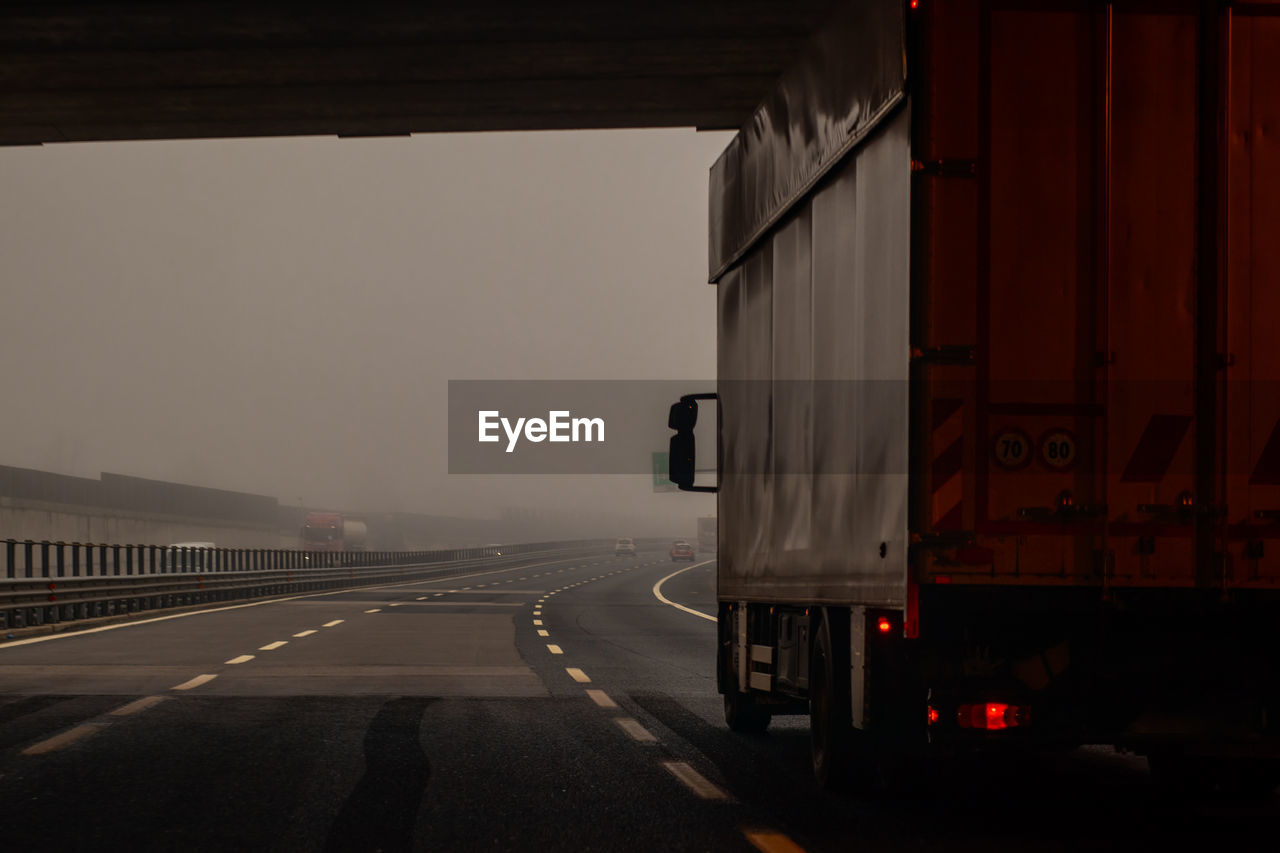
x=657, y=591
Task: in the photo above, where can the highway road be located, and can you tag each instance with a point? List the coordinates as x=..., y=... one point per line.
x=547, y=705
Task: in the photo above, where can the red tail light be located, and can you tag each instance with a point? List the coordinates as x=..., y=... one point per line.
x=992, y=716
x=884, y=625
x=934, y=716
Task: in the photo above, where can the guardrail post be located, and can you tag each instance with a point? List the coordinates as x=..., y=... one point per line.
x=62, y=558
x=128, y=559
x=10, y=555
x=115, y=560
x=28, y=556
x=44, y=558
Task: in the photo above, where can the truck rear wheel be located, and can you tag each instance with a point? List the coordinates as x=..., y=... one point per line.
x=830, y=723
x=741, y=711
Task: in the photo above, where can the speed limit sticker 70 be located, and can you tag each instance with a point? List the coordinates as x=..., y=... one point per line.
x=1012, y=449
x=1058, y=449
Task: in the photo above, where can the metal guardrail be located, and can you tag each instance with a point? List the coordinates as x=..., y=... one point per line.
x=44, y=583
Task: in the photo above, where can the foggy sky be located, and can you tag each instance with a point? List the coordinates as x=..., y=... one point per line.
x=282, y=316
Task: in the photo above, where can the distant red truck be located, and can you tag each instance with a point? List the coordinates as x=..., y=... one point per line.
x=331, y=531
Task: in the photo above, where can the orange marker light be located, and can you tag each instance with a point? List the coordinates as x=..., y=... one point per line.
x=884, y=625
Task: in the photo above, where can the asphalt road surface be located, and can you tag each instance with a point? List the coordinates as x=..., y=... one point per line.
x=549, y=705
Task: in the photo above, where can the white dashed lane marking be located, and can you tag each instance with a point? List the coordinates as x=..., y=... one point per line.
x=306, y=633
x=272, y=646
x=334, y=622
x=195, y=682
x=241, y=659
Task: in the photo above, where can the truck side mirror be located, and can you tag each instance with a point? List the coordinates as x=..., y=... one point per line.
x=680, y=460
x=683, y=416
x=682, y=456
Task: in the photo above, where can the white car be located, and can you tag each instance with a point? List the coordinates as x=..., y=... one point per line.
x=624, y=547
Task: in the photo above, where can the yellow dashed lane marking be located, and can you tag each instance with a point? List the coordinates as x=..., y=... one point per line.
x=374, y=610
x=272, y=646
x=772, y=842
x=138, y=705
x=554, y=649
x=241, y=659
x=334, y=622
x=195, y=682
x=602, y=699
x=635, y=730
x=306, y=633
x=696, y=782
x=578, y=675
x=61, y=740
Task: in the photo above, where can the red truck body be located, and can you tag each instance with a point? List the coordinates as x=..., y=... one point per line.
x=999, y=430
x=332, y=531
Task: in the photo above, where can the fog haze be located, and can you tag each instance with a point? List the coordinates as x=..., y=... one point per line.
x=282, y=316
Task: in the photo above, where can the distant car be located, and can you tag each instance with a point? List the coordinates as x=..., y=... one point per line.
x=682, y=550
x=624, y=547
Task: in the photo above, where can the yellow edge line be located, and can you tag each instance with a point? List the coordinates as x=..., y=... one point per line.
x=657, y=592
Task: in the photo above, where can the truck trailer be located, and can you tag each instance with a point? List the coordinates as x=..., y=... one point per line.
x=999, y=387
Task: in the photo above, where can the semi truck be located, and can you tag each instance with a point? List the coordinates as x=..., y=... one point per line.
x=998, y=431
x=333, y=531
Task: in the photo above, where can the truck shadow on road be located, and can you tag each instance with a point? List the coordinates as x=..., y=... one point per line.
x=381, y=812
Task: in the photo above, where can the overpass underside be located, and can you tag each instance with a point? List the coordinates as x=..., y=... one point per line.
x=80, y=71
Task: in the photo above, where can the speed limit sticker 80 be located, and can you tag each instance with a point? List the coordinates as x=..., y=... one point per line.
x=1058, y=449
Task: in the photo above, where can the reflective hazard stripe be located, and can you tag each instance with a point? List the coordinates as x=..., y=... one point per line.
x=1267, y=471
x=1160, y=441
x=947, y=471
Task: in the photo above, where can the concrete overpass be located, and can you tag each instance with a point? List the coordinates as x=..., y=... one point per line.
x=80, y=71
